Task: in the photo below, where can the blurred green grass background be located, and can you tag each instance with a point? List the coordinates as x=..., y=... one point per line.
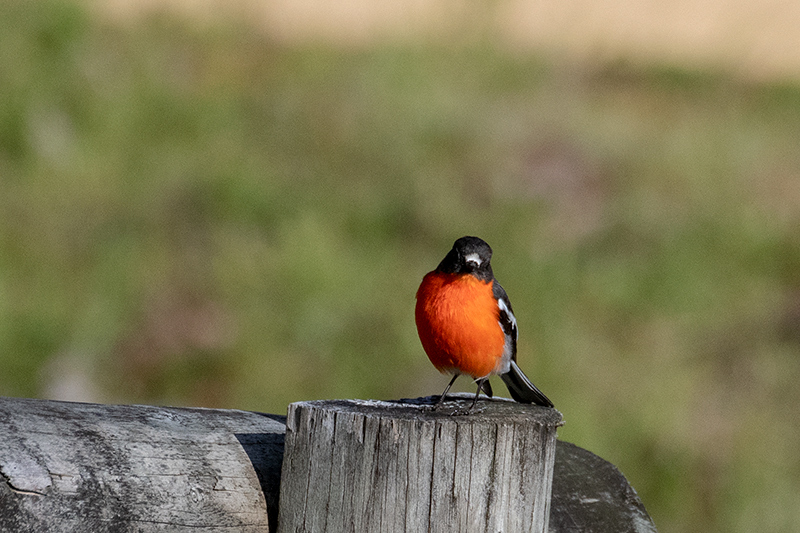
x=203, y=216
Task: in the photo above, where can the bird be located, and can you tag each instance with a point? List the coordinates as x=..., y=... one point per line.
x=466, y=324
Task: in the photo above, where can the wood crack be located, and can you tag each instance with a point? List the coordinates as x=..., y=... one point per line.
x=11, y=486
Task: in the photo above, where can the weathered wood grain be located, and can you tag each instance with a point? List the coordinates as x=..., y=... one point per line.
x=86, y=467
x=95, y=468
x=361, y=466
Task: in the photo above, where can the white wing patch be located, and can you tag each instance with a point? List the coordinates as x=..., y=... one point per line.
x=504, y=365
x=503, y=307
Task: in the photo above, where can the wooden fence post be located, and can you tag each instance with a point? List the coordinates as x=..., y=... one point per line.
x=362, y=466
x=370, y=466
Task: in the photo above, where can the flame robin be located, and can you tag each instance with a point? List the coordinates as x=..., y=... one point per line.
x=466, y=324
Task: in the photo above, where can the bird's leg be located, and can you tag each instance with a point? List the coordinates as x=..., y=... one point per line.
x=480, y=383
x=441, y=398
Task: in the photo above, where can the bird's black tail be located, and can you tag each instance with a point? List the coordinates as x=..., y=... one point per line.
x=521, y=388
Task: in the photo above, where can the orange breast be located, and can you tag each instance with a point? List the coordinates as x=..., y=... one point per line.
x=457, y=320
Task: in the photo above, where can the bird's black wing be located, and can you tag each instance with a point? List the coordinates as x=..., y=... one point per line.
x=507, y=319
x=520, y=387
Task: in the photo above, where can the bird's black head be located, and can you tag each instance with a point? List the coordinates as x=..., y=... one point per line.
x=469, y=255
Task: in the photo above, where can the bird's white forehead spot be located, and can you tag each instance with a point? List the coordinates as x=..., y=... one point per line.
x=473, y=258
